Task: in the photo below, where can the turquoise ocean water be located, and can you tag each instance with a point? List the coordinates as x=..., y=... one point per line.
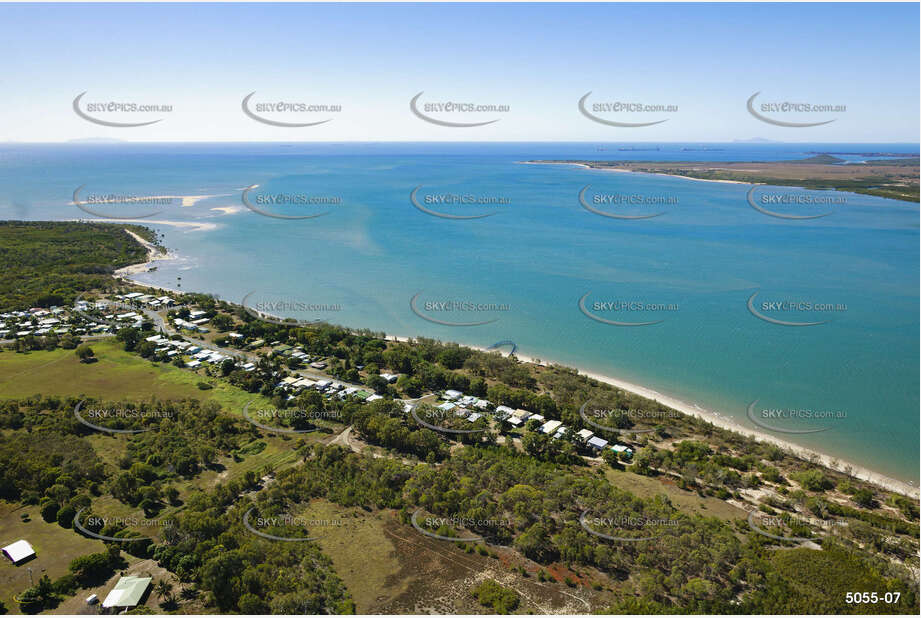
x=524, y=269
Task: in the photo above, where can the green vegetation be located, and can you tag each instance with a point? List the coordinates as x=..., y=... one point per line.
x=49, y=264
x=498, y=598
x=804, y=581
x=890, y=178
x=197, y=468
x=117, y=375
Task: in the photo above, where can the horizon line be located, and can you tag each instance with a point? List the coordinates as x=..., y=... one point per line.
x=113, y=141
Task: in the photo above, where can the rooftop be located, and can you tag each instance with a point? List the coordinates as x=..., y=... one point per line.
x=127, y=592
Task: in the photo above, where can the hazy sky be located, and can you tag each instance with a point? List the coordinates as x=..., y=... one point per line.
x=539, y=59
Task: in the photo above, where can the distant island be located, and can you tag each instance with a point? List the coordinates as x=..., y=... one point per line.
x=892, y=178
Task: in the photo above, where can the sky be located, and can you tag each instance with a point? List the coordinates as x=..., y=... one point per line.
x=537, y=59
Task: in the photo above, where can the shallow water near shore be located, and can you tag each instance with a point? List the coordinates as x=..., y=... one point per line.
x=852, y=380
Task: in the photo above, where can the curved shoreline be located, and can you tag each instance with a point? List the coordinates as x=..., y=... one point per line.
x=801, y=452
x=715, y=418
x=154, y=255
x=728, y=423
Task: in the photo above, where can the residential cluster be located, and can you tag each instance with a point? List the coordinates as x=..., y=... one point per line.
x=473, y=408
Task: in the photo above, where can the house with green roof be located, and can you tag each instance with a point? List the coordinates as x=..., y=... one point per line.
x=128, y=592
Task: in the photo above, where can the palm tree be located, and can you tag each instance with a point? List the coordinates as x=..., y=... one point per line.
x=164, y=590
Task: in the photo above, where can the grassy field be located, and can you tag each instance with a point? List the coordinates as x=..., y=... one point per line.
x=362, y=554
x=116, y=376
x=389, y=568
x=689, y=502
x=278, y=453
x=54, y=548
x=137, y=567
x=120, y=375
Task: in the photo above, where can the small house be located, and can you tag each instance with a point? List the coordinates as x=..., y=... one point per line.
x=597, y=443
x=550, y=427
x=625, y=451
x=128, y=592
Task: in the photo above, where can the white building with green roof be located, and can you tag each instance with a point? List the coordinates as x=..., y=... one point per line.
x=127, y=592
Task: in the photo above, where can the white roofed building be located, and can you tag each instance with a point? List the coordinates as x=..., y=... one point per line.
x=550, y=426
x=128, y=592
x=18, y=551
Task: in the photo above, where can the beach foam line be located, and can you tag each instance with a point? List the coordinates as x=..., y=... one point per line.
x=724, y=421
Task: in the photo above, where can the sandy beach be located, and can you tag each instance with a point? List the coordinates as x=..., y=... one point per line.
x=726, y=422
x=627, y=171
x=154, y=255
x=716, y=418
